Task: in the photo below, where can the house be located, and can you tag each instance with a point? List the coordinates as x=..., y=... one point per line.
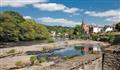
x=109, y=28
x=88, y=29
x=97, y=29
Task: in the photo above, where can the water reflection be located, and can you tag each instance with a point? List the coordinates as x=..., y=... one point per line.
x=69, y=51
x=76, y=50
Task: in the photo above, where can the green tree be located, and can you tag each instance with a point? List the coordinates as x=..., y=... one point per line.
x=8, y=29
x=17, y=17
x=118, y=26
x=42, y=32
x=26, y=31
x=13, y=27
x=78, y=31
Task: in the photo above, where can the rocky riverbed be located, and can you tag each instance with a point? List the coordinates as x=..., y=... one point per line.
x=8, y=62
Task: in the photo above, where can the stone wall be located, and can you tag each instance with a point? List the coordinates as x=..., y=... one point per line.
x=95, y=65
x=111, y=58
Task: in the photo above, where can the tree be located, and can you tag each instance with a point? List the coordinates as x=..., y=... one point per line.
x=78, y=31
x=118, y=26
x=26, y=31
x=8, y=29
x=17, y=17
x=13, y=27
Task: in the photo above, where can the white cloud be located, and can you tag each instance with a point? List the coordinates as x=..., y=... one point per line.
x=55, y=7
x=19, y=3
x=49, y=6
x=27, y=17
x=109, y=13
x=60, y=21
x=39, y=4
x=113, y=19
x=71, y=10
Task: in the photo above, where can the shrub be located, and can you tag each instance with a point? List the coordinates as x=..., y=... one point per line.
x=95, y=37
x=19, y=64
x=42, y=59
x=33, y=59
x=114, y=40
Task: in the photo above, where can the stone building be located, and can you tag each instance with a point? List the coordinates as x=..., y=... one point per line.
x=87, y=28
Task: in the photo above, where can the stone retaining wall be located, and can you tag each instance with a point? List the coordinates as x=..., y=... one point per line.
x=95, y=65
x=111, y=58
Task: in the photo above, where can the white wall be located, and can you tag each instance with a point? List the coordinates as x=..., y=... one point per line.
x=96, y=29
x=109, y=29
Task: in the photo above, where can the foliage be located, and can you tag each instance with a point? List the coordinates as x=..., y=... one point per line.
x=73, y=32
x=61, y=30
x=78, y=30
x=13, y=27
x=114, y=40
x=118, y=26
x=17, y=17
x=33, y=59
x=111, y=38
x=19, y=64
x=42, y=59
x=79, y=33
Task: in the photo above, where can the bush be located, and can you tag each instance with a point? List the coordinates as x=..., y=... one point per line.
x=106, y=38
x=114, y=40
x=42, y=59
x=33, y=59
x=95, y=37
x=19, y=64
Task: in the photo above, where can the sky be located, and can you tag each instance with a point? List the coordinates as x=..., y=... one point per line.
x=66, y=12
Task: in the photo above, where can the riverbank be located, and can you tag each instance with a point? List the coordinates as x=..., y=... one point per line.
x=40, y=46
x=10, y=61
x=76, y=63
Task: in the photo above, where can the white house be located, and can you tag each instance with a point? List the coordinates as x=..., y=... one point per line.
x=97, y=29
x=109, y=29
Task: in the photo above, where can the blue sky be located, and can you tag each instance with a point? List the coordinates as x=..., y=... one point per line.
x=66, y=12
